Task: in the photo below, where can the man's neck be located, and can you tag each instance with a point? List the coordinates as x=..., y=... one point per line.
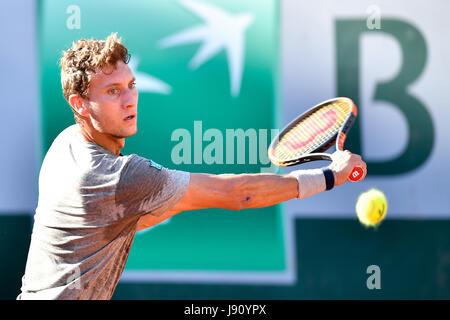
x=107, y=141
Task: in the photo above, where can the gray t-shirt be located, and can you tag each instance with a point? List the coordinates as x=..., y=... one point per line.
x=90, y=201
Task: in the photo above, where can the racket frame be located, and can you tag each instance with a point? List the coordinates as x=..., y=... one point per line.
x=318, y=153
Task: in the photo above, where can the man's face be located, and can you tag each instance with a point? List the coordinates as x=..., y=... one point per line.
x=113, y=101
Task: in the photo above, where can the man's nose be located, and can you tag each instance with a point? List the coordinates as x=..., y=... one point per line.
x=130, y=99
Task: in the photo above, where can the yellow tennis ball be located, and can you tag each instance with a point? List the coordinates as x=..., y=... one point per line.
x=371, y=207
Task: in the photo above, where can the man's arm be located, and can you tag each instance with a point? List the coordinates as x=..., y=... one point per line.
x=230, y=191
x=237, y=191
x=243, y=191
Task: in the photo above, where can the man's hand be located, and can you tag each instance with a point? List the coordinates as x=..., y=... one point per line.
x=343, y=164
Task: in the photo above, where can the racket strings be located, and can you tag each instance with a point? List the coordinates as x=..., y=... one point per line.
x=312, y=131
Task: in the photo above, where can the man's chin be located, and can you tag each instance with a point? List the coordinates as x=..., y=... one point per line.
x=124, y=135
x=132, y=134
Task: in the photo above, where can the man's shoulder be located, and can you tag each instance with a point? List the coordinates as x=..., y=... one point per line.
x=69, y=151
x=69, y=131
x=65, y=136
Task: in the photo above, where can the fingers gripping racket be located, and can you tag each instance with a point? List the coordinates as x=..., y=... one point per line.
x=307, y=137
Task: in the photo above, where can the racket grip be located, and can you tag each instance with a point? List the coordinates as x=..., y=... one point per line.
x=356, y=174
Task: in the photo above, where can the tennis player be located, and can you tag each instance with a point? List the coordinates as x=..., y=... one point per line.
x=93, y=199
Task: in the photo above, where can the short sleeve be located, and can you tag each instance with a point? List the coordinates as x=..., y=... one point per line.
x=146, y=187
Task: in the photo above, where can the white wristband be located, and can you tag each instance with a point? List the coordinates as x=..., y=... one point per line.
x=310, y=182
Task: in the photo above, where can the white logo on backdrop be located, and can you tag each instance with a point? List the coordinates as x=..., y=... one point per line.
x=221, y=31
x=146, y=82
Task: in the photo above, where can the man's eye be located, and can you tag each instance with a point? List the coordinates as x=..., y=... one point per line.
x=113, y=91
x=132, y=85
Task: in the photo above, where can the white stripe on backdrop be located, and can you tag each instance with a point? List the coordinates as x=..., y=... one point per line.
x=19, y=132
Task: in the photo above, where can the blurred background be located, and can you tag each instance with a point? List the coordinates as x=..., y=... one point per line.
x=216, y=79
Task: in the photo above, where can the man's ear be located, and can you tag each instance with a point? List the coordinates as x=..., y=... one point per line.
x=78, y=105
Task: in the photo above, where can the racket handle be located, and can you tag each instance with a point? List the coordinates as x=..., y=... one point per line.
x=357, y=174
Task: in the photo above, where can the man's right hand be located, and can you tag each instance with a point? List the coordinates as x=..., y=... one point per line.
x=343, y=163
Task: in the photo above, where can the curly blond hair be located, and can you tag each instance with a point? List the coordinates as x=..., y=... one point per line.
x=84, y=58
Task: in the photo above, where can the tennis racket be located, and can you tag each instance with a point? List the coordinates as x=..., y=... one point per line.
x=312, y=133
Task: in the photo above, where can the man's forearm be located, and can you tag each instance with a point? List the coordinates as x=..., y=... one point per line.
x=264, y=190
